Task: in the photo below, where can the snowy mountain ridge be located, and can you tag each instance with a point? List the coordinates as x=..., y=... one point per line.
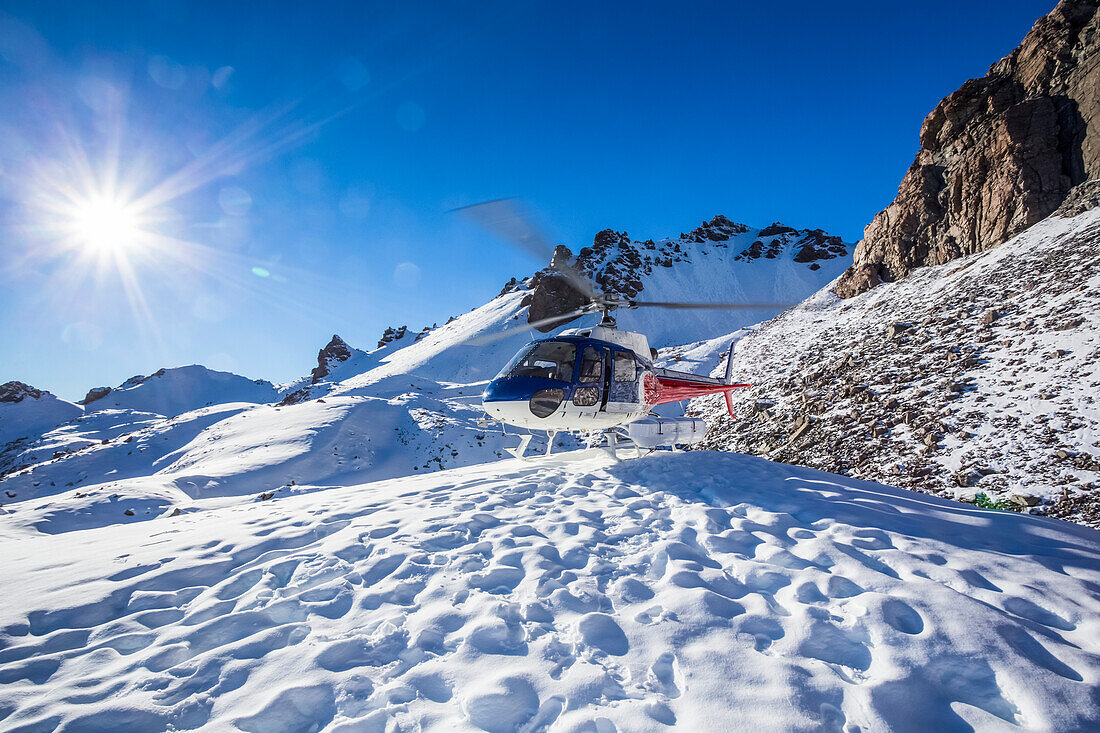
x=719, y=261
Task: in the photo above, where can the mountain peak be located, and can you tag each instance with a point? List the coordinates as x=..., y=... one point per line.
x=335, y=352
x=718, y=229
x=17, y=391
x=620, y=265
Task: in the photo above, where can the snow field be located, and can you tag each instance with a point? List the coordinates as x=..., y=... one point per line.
x=695, y=590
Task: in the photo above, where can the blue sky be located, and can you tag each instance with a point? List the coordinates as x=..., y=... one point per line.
x=302, y=157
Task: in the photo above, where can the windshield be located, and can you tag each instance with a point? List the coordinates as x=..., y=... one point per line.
x=548, y=360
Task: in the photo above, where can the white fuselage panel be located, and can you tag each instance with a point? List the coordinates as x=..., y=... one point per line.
x=568, y=417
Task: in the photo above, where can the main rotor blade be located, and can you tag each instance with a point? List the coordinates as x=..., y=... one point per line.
x=506, y=219
x=711, y=306
x=494, y=337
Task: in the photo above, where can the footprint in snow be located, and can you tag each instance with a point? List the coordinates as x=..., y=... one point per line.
x=901, y=616
x=601, y=631
x=663, y=674
x=503, y=706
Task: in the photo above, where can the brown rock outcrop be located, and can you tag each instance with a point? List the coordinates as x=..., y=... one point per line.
x=857, y=279
x=997, y=155
x=16, y=391
x=95, y=393
x=334, y=353
x=552, y=294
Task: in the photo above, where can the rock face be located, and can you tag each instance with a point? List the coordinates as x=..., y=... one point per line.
x=550, y=293
x=95, y=393
x=858, y=279
x=996, y=156
x=17, y=391
x=335, y=352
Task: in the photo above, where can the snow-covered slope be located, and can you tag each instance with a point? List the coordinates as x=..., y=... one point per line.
x=27, y=412
x=171, y=392
x=703, y=591
x=980, y=376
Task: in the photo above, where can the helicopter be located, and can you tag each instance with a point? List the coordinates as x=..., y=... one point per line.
x=597, y=378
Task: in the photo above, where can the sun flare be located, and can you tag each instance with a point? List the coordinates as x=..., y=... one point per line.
x=104, y=224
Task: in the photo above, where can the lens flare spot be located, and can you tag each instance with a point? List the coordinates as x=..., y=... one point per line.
x=406, y=275
x=260, y=272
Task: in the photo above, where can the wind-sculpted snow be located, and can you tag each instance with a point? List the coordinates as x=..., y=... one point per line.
x=704, y=591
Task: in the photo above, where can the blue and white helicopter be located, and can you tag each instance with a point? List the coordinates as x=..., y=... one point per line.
x=597, y=378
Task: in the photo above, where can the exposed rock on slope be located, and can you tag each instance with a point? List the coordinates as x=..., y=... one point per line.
x=996, y=156
x=334, y=352
x=13, y=392
x=95, y=393
x=978, y=376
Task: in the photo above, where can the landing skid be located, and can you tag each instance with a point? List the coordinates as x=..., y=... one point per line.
x=616, y=444
x=525, y=440
x=616, y=441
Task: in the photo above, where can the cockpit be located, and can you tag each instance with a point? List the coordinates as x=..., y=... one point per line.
x=579, y=374
x=543, y=360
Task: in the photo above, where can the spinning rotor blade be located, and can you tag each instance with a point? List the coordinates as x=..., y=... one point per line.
x=712, y=306
x=494, y=337
x=505, y=218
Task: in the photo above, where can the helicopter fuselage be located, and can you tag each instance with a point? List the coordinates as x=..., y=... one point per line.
x=570, y=383
x=588, y=379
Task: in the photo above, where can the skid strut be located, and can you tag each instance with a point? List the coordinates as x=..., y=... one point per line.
x=524, y=440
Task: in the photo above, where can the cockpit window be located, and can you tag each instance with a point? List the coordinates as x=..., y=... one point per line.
x=546, y=360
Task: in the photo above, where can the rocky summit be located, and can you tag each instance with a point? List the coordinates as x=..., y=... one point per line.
x=996, y=156
x=334, y=352
x=618, y=264
x=17, y=391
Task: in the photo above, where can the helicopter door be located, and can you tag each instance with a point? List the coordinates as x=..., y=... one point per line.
x=606, y=378
x=590, y=389
x=624, y=385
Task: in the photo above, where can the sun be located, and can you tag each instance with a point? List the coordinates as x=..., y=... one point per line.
x=104, y=224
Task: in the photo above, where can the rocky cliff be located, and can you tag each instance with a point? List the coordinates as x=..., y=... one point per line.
x=996, y=156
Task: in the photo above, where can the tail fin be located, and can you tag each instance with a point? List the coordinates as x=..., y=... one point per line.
x=729, y=381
